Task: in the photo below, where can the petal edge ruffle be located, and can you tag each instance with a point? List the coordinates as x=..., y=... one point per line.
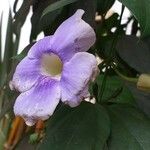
x=77, y=74
x=72, y=36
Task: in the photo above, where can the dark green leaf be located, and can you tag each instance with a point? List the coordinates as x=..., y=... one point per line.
x=48, y=20
x=140, y=9
x=104, y=5
x=57, y=5
x=38, y=8
x=21, y=14
x=111, y=22
x=142, y=98
x=15, y=5
x=130, y=129
x=89, y=7
x=85, y=127
x=135, y=53
x=115, y=90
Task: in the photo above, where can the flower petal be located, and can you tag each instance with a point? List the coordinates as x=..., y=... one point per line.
x=26, y=74
x=76, y=76
x=40, y=47
x=39, y=102
x=73, y=35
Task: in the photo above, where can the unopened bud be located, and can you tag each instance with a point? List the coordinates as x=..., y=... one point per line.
x=144, y=82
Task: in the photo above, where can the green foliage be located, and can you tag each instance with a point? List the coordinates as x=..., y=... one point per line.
x=21, y=14
x=85, y=127
x=142, y=98
x=38, y=23
x=140, y=9
x=8, y=51
x=135, y=53
x=57, y=5
x=46, y=14
x=115, y=90
x=130, y=129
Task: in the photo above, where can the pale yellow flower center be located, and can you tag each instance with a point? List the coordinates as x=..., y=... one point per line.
x=51, y=65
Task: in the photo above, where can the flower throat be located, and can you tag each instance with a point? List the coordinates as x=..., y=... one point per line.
x=51, y=65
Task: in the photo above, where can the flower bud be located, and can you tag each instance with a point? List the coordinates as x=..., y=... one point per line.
x=144, y=82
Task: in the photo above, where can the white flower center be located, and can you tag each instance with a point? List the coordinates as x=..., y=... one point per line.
x=51, y=65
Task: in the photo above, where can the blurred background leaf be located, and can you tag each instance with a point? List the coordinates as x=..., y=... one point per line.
x=8, y=52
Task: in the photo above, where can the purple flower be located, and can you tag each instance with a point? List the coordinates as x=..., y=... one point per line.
x=56, y=68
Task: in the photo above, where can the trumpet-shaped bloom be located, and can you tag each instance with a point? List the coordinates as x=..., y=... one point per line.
x=56, y=68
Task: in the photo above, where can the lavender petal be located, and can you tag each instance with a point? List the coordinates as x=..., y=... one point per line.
x=76, y=76
x=39, y=102
x=26, y=74
x=72, y=36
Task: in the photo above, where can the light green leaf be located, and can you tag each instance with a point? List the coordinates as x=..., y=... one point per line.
x=85, y=127
x=141, y=10
x=130, y=129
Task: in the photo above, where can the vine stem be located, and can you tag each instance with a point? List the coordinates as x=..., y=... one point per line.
x=111, y=51
x=134, y=80
x=116, y=34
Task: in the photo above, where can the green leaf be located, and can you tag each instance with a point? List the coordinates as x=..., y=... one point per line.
x=57, y=5
x=8, y=51
x=15, y=6
x=115, y=90
x=85, y=127
x=21, y=14
x=142, y=98
x=48, y=20
x=24, y=52
x=38, y=8
x=90, y=9
x=135, y=53
x=140, y=9
x=130, y=129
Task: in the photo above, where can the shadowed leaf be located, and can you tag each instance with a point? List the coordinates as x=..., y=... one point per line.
x=85, y=127
x=135, y=53
x=130, y=129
